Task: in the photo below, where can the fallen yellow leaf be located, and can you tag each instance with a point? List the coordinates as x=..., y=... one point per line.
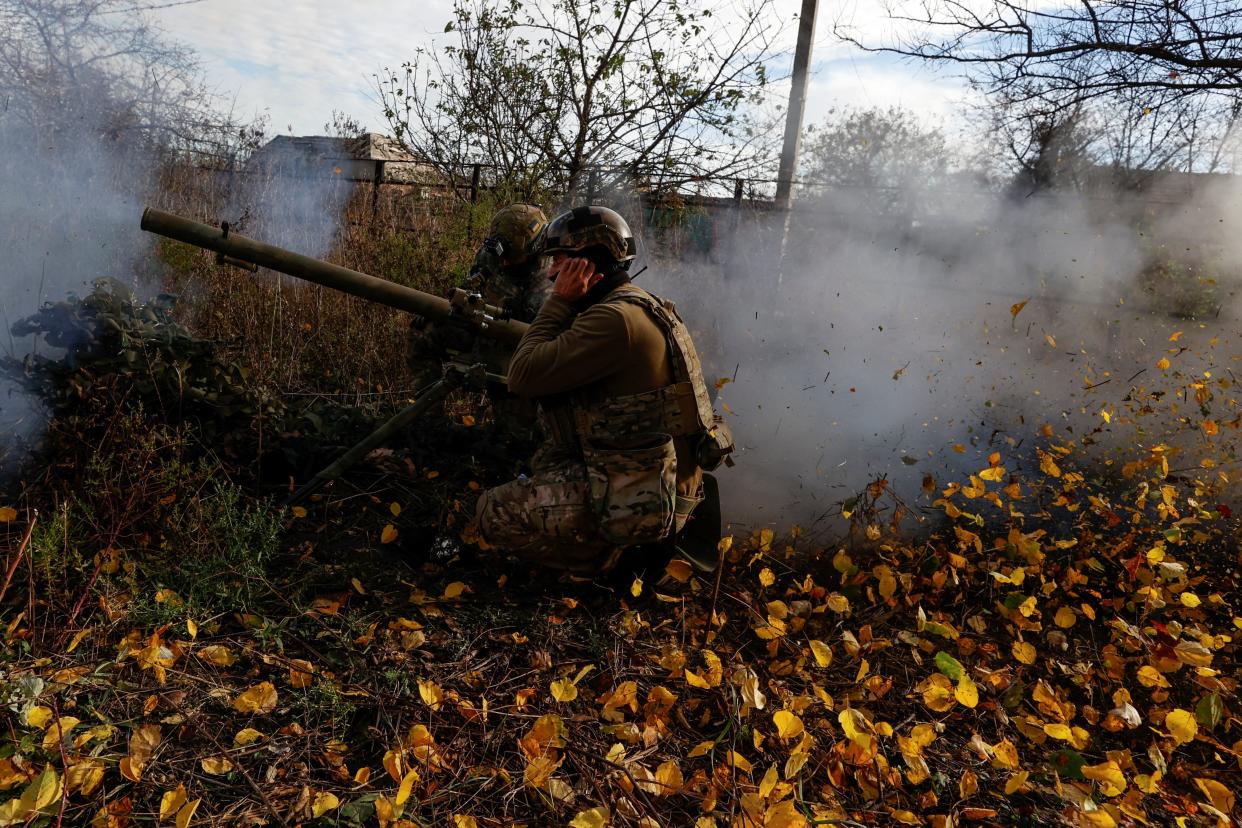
x=967, y=693
x=679, y=570
x=1108, y=774
x=57, y=731
x=564, y=690
x=1221, y=797
x=406, y=787
x=171, y=802
x=142, y=744
x=668, y=776
x=788, y=725
x=1023, y=652
x=1059, y=731
x=1016, y=782
x=216, y=765
x=300, y=673
x=261, y=698
x=1181, y=725
x=430, y=693
x=323, y=802
x=38, y=716
x=246, y=736
x=822, y=653
x=597, y=817
x=217, y=654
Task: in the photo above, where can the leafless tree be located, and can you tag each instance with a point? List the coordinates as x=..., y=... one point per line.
x=1151, y=84
x=70, y=67
x=1067, y=53
x=551, y=94
x=1117, y=138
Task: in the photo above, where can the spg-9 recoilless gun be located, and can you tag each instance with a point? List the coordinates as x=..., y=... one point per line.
x=461, y=308
x=248, y=254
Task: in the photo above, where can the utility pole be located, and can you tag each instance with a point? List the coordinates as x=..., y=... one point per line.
x=797, y=104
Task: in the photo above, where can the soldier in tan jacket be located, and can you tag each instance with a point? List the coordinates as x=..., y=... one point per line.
x=623, y=405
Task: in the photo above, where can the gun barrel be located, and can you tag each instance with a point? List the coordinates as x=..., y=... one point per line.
x=314, y=270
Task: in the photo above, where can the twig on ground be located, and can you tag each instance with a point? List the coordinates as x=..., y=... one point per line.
x=64, y=762
x=21, y=550
x=192, y=719
x=711, y=617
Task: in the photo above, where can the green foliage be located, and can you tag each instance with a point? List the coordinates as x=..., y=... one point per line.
x=56, y=548
x=1180, y=287
x=118, y=348
x=217, y=546
x=882, y=159
x=180, y=257
x=322, y=704
x=402, y=256
x=132, y=382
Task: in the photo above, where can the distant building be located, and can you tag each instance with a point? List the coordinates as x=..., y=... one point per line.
x=370, y=157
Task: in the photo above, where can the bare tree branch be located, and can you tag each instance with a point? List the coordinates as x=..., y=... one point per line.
x=100, y=65
x=639, y=91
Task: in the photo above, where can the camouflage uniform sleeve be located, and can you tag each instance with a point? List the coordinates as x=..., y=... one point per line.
x=560, y=352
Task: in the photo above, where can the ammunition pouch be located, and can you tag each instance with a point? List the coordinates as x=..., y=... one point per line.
x=714, y=446
x=669, y=410
x=634, y=488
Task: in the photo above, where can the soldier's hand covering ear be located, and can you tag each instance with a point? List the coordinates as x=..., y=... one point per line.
x=572, y=277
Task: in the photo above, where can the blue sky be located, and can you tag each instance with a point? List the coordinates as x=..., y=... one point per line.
x=298, y=60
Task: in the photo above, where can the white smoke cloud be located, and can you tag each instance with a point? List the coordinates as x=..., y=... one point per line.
x=68, y=213
x=877, y=345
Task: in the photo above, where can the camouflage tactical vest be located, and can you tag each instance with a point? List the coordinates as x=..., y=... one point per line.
x=679, y=410
x=627, y=441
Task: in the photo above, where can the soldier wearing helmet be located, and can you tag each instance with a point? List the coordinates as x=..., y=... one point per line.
x=505, y=268
x=505, y=272
x=628, y=423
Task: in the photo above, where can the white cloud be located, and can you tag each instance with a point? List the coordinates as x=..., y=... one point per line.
x=866, y=81
x=298, y=60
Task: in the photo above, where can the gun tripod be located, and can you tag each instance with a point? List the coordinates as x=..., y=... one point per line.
x=455, y=376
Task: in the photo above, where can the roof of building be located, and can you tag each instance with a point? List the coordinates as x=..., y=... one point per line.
x=370, y=146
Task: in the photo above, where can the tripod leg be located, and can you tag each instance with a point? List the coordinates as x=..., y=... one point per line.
x=434, y=394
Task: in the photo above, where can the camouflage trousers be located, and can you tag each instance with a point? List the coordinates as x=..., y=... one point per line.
x=547, y=518
x=550, y=518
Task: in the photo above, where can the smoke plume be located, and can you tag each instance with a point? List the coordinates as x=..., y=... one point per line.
x=68, y=210
x=913, y=345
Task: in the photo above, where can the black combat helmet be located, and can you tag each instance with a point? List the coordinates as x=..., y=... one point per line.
x=586, y=227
